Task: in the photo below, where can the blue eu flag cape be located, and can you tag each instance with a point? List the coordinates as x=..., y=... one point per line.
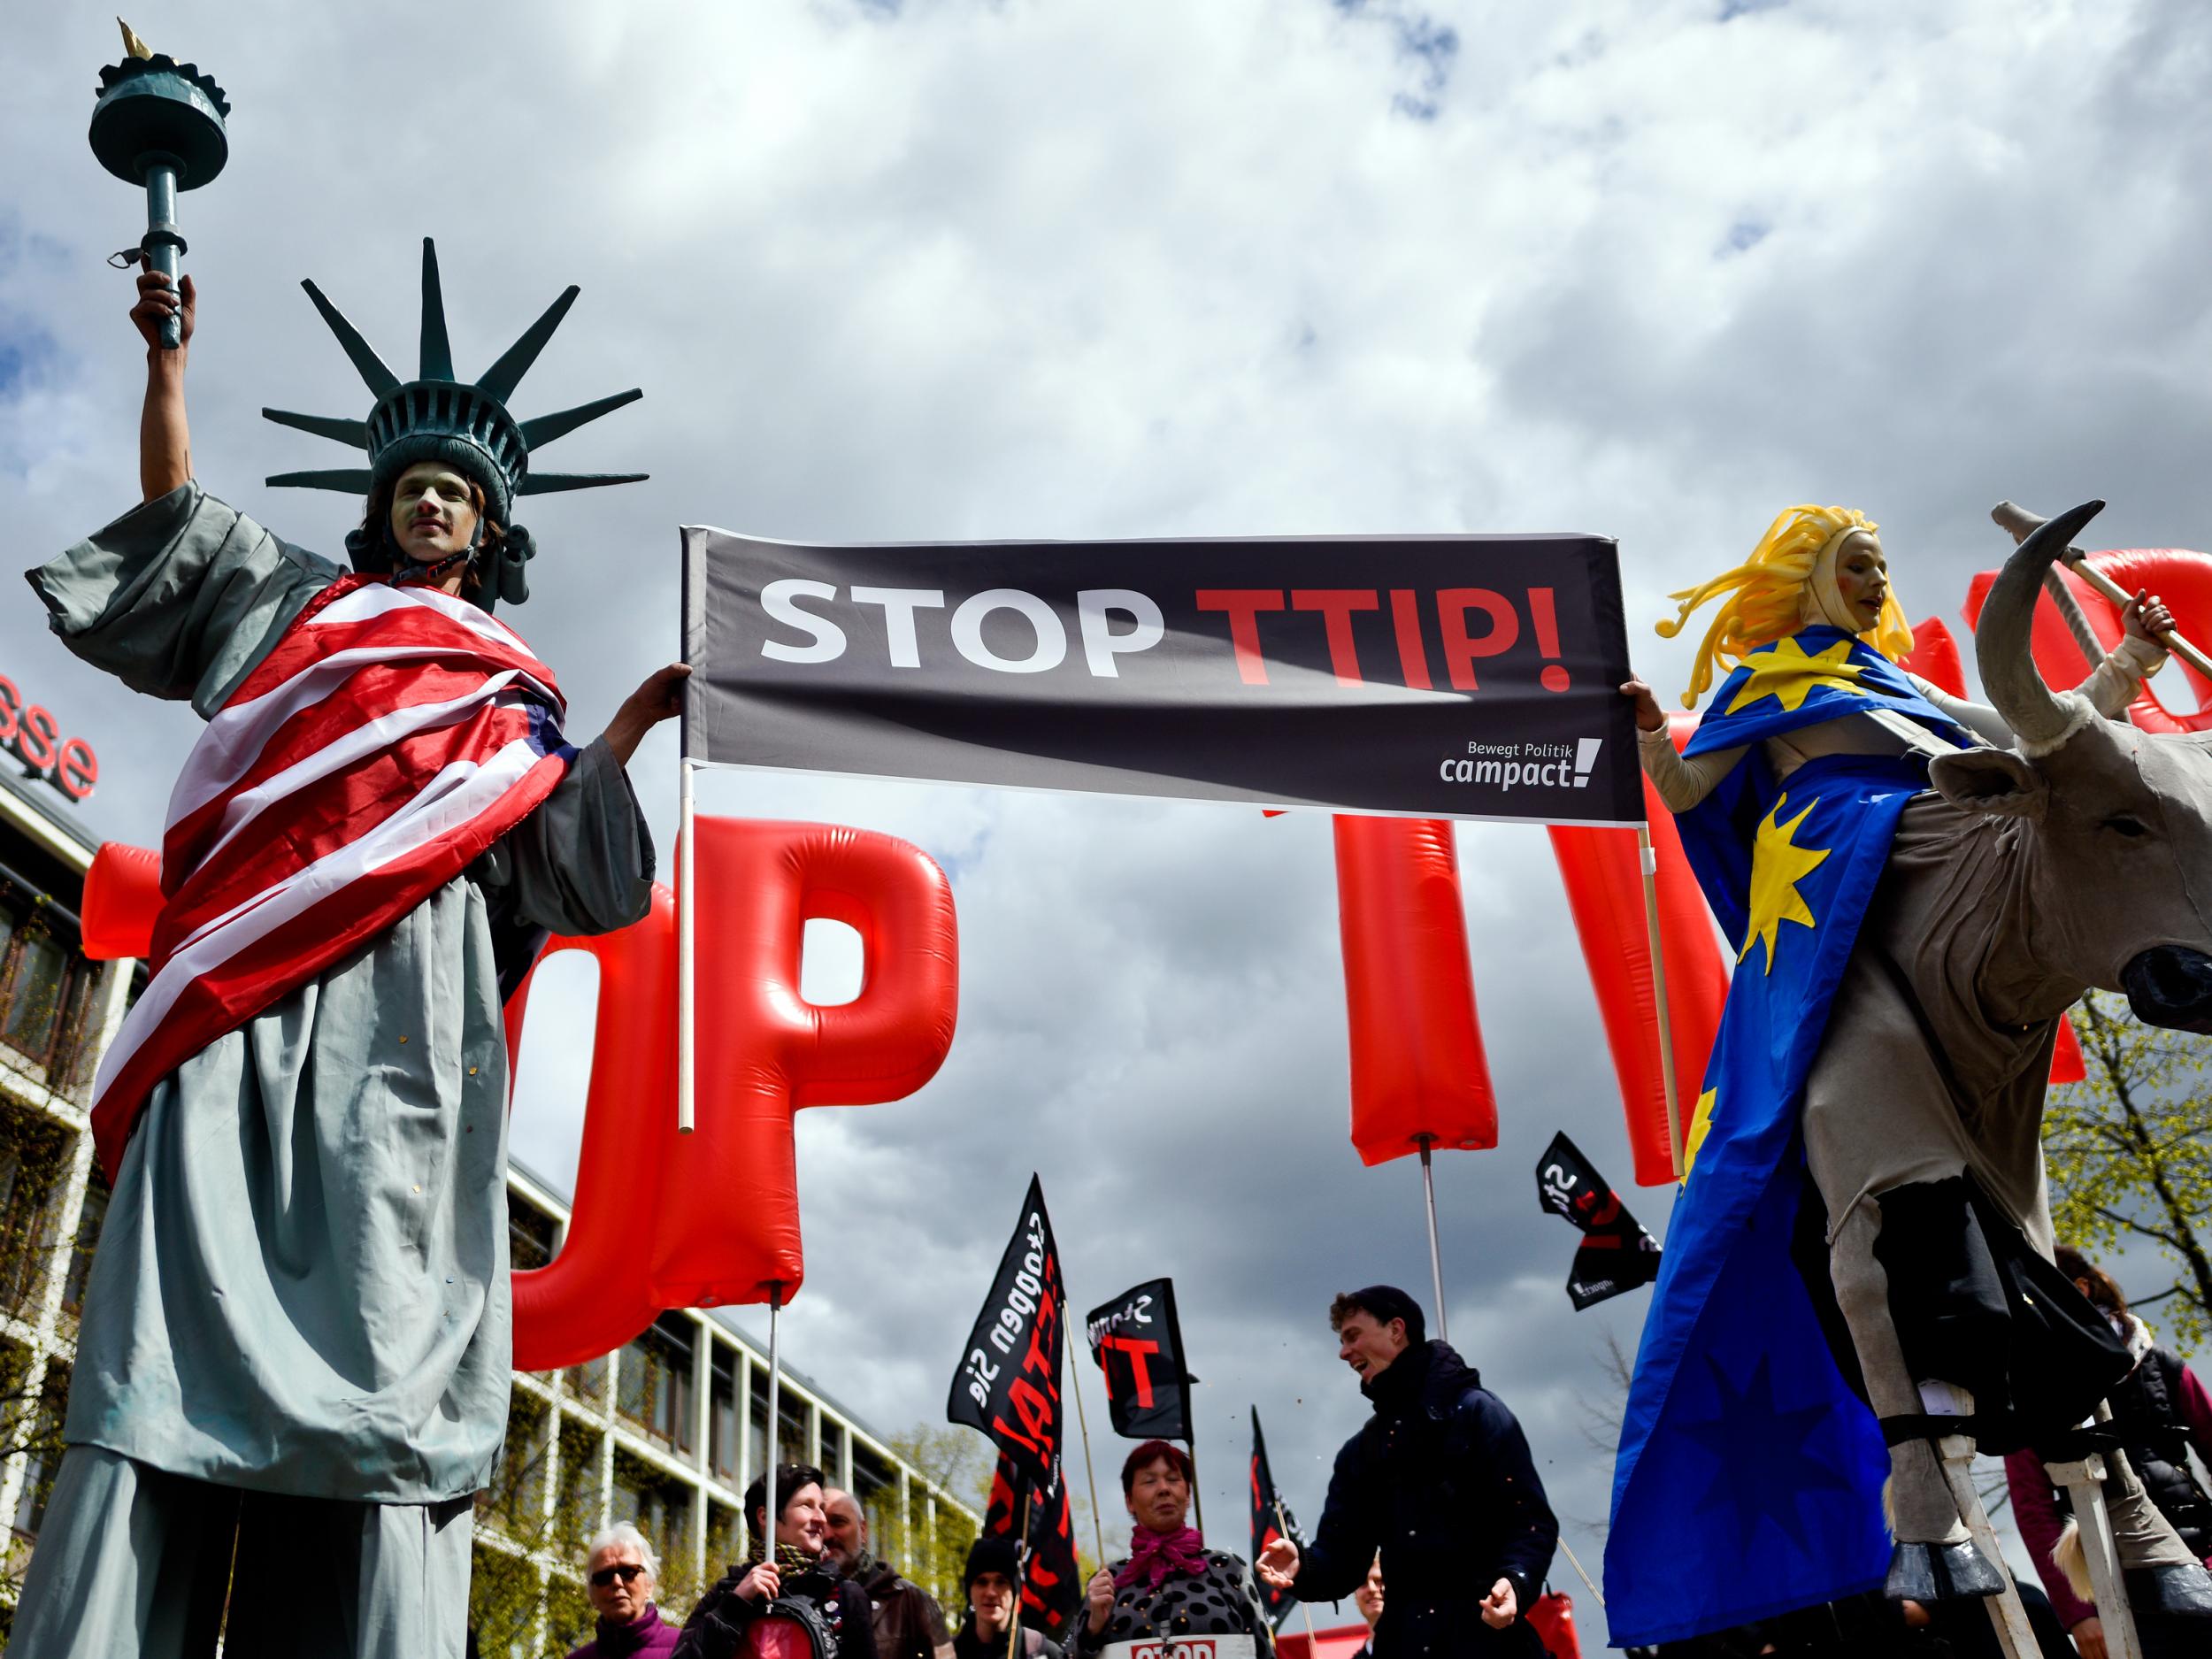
x=1749, y=1476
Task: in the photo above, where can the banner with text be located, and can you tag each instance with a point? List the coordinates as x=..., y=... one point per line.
x=1138, y=1344
x=1417, y=676
x=1008, y=1384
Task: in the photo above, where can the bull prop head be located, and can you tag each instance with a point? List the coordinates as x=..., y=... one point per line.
x=2117, y=821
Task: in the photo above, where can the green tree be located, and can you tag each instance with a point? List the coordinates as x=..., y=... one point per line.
x=2130, y=1152
x=961, y=1462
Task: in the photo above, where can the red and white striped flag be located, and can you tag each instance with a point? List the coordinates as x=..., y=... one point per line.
x=389, y=738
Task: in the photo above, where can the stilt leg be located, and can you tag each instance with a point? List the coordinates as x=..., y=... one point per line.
x=2084, y=1484
x=2014, y=1634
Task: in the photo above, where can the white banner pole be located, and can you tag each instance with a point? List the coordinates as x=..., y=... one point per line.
x=1649, y=858
x=686, y=910
x=1436, y=1255
x=771, y=1513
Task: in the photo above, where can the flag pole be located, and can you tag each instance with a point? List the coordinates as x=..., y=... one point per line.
x=1190, y=1447
x=1021, y=1548
x=1575, y=1561
x=686, y=907
x=1090, y=1475
x=1436, y=1257
x=770, y=1510
x=1649, y=858
x=1282, y=1525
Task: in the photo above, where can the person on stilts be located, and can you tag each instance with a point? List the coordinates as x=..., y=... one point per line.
x=296, y=1349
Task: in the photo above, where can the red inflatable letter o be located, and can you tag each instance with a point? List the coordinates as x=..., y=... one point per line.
x=1418, y=1070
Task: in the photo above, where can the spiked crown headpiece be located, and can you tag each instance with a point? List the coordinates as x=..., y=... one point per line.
x=461, y=423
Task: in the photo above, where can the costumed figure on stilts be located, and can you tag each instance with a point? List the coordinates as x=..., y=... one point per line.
x=1917, y=887
x=295, y=1348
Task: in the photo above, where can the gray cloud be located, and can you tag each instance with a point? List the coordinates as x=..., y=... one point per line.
x=953, y=269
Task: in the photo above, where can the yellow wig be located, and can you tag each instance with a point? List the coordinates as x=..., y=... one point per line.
x=1765, y=598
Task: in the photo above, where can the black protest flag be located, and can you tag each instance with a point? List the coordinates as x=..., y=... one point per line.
x=1271, y=1519
x=1052, y=1580
x=1008, y=1384
x=1615, y=1255
x=1138, y=1344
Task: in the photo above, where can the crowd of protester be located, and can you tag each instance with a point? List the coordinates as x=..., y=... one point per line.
x=1439, y=1480
x=1437, y=1488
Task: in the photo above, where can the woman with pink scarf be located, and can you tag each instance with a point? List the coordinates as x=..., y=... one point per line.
x=1172, y=1584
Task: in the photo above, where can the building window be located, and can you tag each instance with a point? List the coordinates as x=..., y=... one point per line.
x=589, y=1381
x=833, y=1459
x=89, y=1216
x=724, y=1454
x=795, y=1436
x=876, y=1489
x=760, y=1423
x=725, y=1535
x=505, y=1596
x=45, y=993
x=32, y=1155
x=531, y=1233
x=654, y=1389
x=37, y=1429
x=658, y=1506
x=576, y=1509
x=514, y=1501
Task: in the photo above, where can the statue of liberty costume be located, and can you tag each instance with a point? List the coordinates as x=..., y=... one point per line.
x=295, y=1347
x=1749, y=1475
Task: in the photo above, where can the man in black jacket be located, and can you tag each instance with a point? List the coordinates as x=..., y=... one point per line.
x=1441, y=1481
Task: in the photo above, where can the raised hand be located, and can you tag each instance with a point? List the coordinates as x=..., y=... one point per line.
x=660, y=697
x=1648, y=716
x=2146, y=617
x=158, y=300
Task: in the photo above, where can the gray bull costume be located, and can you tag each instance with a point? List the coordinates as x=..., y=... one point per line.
x=2079, y=856
x=2083, y=857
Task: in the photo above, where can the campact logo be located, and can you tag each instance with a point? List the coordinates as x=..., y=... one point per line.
x=1503, y=766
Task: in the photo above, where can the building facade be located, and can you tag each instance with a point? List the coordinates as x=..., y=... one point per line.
x=665, y=1433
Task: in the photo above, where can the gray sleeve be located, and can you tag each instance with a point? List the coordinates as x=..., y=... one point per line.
x=1682, y=783
x=1977, y=718
x=179, y=598
x=2109, y=687
x=582, y=861
x=2119, y=678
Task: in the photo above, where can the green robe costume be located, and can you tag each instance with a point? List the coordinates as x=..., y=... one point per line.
x=301, y=1283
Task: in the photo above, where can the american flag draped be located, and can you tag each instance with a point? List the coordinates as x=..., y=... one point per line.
x=389, y=738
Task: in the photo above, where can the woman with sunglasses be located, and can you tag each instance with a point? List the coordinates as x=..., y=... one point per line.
x=620, y=1572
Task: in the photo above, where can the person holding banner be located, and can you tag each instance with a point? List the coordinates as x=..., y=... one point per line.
x=1171, y=1585
x=1441, y=1481
x=1872, y=1094
x=789, y=1581
x=297, y=1335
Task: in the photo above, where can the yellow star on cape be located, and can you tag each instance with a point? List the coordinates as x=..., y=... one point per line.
x=1701, y=1121
x=1778, y=865
x=1784, y=672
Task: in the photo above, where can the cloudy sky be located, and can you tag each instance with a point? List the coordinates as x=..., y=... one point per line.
x=947, y=269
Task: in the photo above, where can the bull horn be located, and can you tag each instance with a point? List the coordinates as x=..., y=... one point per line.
x=2001, y=652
